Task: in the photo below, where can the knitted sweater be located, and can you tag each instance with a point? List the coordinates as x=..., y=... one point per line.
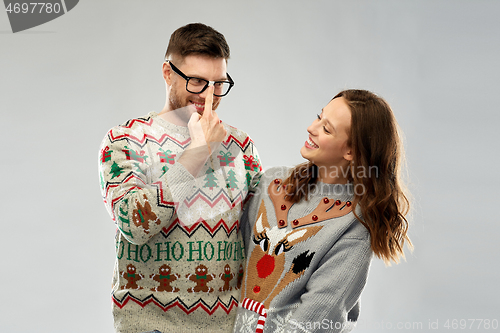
x=179, y=251
x=307, y=263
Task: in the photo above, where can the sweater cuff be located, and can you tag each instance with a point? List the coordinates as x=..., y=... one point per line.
x=180, y=183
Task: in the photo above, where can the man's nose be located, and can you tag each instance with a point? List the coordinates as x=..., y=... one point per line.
x=205, y=92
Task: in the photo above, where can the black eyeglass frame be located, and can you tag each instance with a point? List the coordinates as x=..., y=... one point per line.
x=187, y=78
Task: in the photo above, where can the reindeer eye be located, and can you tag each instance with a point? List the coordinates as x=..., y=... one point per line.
x=262, y=241
x=282, y=247
x=264, y=244
x=279, y=249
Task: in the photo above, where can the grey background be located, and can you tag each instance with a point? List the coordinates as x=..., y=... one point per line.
x=65, y=83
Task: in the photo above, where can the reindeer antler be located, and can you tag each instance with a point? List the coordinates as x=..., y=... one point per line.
x=277, y=194
x=326, y=209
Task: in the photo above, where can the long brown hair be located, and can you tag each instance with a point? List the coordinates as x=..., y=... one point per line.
x=376, y=145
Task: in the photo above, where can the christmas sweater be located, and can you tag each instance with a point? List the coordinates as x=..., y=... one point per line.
x=307, y=262
x=179, y=251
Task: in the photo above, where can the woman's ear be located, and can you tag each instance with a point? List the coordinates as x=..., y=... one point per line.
x=348, y=154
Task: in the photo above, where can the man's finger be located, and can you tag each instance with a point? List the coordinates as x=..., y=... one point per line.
x=195, y=117
x=207, y=112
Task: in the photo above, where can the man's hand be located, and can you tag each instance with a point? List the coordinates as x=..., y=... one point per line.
x=206, y=133
x=206, y=129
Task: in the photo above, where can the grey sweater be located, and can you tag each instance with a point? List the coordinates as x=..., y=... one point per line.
x=307, y=263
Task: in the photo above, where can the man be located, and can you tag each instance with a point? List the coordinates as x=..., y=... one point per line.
x=175, y=184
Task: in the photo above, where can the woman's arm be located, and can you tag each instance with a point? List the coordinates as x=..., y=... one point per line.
x=334, y=289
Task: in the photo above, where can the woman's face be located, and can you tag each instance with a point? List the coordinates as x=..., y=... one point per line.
x=328, y=135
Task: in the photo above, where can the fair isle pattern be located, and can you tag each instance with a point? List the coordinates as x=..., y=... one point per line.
x=179, y=244
x=133, y=177
x=201, y=224
x=141, y=142
x=146, y=137
x=259, y=309
x=143, y=120
x=177, y=302
x=213, y=200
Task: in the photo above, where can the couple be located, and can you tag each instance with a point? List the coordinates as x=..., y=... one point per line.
x=206, y=242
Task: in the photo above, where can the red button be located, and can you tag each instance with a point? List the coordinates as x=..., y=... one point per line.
x=277, y=181
x=348, y=203
x=256, y=289
x=283, y=207
x=338, y=202
x=295, y=222
x=282, y=223
x=325, y=200
x=315, y=217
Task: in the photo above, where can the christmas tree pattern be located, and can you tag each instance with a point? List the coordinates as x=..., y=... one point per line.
x=211, y=180
x=116, y=170
x=248, y=181
x=231, y=180
x=105, y=154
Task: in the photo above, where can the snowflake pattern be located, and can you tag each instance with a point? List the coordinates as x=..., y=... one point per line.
x=200, y=209
x=211, y=214
x=281, y=322
x=248, y=322
x=189, y=217
x=186, y=216
x=230, y=216
x=222, y=210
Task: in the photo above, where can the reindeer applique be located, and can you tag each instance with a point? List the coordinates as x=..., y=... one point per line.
x=267, y=261
x=265, y=273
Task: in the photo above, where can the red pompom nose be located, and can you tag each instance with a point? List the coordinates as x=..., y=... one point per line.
x=265, y=266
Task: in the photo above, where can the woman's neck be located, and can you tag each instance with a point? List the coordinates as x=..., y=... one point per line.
x=333, y=174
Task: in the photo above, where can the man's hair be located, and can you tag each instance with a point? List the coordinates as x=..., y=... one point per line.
x=197, y=38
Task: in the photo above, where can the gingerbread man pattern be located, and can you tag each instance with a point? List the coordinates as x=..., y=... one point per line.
x=201, y=278
x=132, y=277
x=240, y=277
x=165, y=278
x=227, y=276
x=143, y=215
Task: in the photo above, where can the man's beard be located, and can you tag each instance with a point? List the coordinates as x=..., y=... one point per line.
x=177, y=103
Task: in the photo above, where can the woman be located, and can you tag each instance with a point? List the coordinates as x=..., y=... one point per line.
x=310, y=232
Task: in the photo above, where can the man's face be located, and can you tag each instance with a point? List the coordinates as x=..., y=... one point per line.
x=203, y=67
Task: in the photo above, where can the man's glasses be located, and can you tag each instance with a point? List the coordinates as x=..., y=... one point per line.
x=196, y=85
